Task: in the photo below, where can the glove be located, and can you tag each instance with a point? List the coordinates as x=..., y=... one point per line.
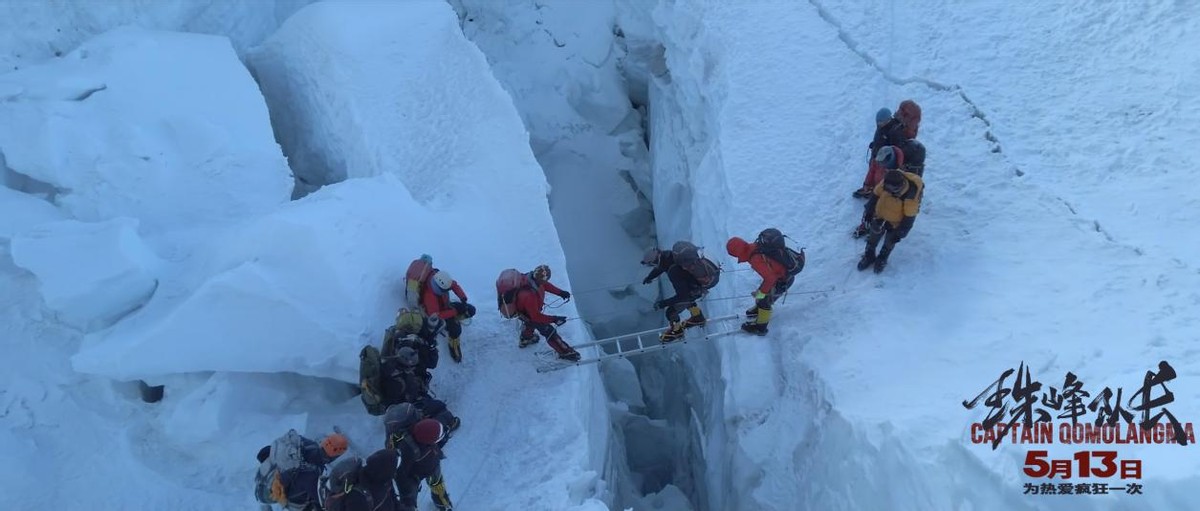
x=559, y=320
x=877, y=225
x=758, y=295
x=660, y=304
x=647, y=280
x=566, y=296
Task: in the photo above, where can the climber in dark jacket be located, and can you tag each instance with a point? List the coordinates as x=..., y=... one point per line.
x=889, y=131
x=420, y=459
x=377, y=477
x=687, y=291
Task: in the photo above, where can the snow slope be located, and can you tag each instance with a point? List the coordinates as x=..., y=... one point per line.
x=853, y=401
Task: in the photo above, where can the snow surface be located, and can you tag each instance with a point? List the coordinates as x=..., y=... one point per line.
x=853, y=401
x=124, y=127
x=91, y=274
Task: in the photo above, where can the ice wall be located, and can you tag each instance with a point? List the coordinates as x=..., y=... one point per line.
x=559, y=62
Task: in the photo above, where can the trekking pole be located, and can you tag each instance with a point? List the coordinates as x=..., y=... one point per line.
x=831, y=288
x=736, y=270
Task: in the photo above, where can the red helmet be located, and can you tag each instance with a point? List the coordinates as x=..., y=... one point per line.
x=428, y=432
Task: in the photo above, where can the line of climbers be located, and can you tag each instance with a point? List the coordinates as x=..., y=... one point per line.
x=893, y=186
x=292, y=470
x=395, y=378
x=395, y=382
x=894, y=183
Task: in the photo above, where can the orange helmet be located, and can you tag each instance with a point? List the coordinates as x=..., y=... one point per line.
x=541, y=273
x=335, y=445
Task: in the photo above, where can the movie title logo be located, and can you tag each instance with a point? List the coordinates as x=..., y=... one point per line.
x=1022, y=410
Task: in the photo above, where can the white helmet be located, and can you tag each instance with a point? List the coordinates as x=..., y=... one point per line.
x=443, y=280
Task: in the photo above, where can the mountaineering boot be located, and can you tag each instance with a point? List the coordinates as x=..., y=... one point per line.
x=441, y=499
x=455, y=349
x=528, y=341
x=565, y=351
x=752, y=312
x=862, y=193
x=697, y=318
x=881, y=261
x=866, y=260
x=759, y=325
x=755, y=327
x=673, y=333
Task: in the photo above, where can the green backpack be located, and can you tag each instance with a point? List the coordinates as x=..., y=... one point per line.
x=370, y=380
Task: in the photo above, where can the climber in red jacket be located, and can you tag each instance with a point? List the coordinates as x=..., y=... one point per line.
x=773, y=271
x=440, y=310
x=530, y=301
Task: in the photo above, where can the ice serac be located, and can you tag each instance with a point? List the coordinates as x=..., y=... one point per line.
x=349, y=94
x=90, y=274
x=20, y=211
x=123, y=126
x=333, y=260
x=32, y=32
x=301, y=289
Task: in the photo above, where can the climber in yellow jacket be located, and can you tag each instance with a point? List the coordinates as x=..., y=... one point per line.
x=890, y=214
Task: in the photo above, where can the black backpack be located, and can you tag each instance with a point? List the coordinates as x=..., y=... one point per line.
x=687, y=256
x=770, y=243
x=342, y=491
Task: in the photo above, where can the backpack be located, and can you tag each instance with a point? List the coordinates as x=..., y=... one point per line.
x=910, y=114
x=687, y=256
x=344, y=499
x=341, y=489
x=511, y=282
x=287, y=453
x=370, y=380
x=770, y=243
x=415, y=278
x=408, y=323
